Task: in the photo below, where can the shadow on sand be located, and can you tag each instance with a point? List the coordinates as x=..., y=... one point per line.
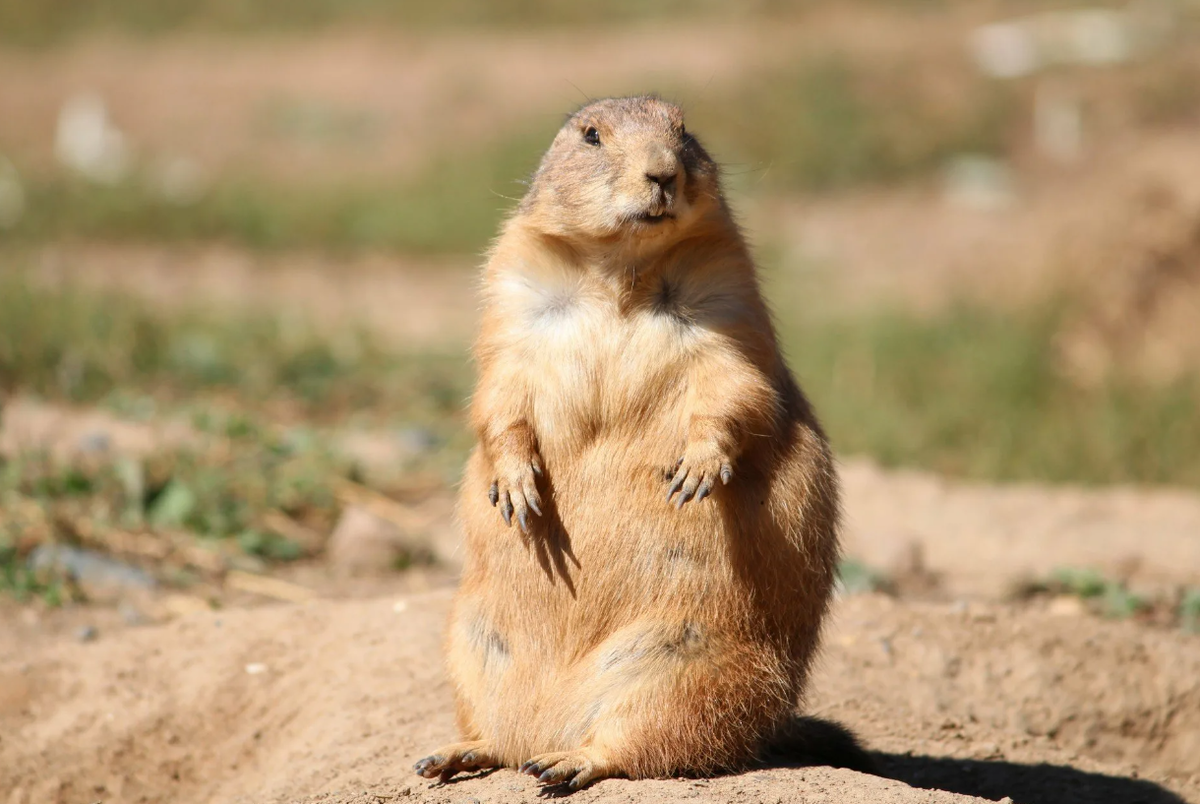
x=1025, y=784
x=808, y=741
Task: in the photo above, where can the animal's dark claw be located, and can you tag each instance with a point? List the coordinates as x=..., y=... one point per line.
x=506, y=509
x=494, y=494
x=676, y=484
x=726, y=473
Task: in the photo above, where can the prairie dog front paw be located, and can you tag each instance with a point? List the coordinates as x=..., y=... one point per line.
x=514, y=485
x=697, y=472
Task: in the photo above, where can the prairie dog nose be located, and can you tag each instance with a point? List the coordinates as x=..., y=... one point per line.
x=662, y=168
x=665, y=180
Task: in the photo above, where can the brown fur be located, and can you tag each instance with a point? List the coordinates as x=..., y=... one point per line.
x=617, y=633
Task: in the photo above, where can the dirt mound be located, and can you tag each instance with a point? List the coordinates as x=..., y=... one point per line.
x=1137, y=284
x=332, y=702
x=981, y=541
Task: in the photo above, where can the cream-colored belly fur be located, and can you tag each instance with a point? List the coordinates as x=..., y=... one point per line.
x=616, y=599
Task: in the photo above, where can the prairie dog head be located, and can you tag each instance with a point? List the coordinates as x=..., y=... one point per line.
x=622, y=168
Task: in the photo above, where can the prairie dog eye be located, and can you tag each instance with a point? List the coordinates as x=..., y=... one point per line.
x=591, y=136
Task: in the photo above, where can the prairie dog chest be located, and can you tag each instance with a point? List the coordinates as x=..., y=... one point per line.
x=587, y=358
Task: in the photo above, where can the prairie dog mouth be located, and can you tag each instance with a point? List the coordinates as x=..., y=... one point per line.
x=646, y=217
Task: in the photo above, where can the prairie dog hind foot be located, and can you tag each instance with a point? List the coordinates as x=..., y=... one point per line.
x=449, y=760
x=572, y=769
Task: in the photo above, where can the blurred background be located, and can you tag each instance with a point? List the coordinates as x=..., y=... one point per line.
x=239, y=244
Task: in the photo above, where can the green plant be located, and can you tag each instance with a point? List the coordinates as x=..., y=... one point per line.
x=854, y=577
x=1085, y=583
x=1189, y=610
x=976, y=392
x=23, y=584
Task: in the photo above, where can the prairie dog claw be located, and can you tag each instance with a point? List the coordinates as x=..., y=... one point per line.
x=696, y=474
x=515, y=491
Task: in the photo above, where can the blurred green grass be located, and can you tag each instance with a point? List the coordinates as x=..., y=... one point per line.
x=827, y=123
x=211, y=491
x=975, y=392
x=50, y=21
x=82, y=347
x=819, y=125
x=453, y=206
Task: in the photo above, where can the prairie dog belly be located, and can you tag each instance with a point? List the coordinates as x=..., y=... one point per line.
x=608, y=597
x=607, y=514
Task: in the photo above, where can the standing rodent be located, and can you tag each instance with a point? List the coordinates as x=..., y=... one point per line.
x=655, y=609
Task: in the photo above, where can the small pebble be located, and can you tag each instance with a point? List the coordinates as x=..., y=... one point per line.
x=980, y=616
x=131, y=614
x=400, y=606
x=1067, y=606
x=87, y=633
x=255, y=668
x=97, y=441
x=415, y=440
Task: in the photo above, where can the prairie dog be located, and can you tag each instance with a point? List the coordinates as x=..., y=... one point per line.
x=650, y=515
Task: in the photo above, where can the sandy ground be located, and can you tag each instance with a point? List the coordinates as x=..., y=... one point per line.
x=980, y=541
x=333, y=701
x=961, y=693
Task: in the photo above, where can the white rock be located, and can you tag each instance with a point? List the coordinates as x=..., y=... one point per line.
x=1088, y=36
x=1058, y=124
x=362, y=542
x=982, y=183
x=87, y=142
x=1004, y=50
